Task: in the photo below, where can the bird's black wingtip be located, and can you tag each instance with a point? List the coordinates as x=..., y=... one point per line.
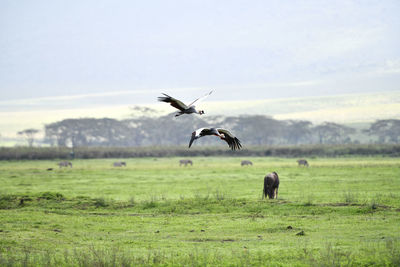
x=165, y=98
x=236, y=144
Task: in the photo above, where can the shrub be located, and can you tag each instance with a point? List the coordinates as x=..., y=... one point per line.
x=100, y=202
x=51, y=196
x=21, y=153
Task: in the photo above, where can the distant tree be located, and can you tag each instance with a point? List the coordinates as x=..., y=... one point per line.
x=387, y=131
x=53, y=134
x=88, y=132
x=256, y=129
x=297, y=132
x=333, y=133
x=29, y=135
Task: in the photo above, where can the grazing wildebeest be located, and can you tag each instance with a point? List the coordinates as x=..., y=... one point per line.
x=186, y=162
x=246, y=162
x=302, y=162
x=271, y=185
x=65, y=164
x=119, y=164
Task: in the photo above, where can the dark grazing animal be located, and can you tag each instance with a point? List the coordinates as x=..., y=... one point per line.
x=65, y=164
x=271, y=185
x=302, y=162
x=246, y=162
x=119, y=164
x=185, y=162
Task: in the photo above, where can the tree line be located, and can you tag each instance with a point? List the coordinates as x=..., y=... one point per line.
x=309, y=151
x=170, y=131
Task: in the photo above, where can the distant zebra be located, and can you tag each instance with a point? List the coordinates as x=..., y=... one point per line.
x=186, y=162
x=246, y=162
x=119, y=164
x=302, y=162
x=65, y=164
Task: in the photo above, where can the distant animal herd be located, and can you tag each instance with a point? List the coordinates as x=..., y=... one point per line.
x=271, y=180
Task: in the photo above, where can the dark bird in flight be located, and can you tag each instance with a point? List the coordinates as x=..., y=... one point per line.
x=224, y=134
x=183, y=109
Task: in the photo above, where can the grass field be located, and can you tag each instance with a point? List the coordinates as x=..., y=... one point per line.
x=337, y=212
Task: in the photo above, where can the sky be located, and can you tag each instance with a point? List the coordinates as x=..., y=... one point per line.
x=94, y=52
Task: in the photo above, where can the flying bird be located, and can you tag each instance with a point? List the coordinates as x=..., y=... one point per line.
x=183, y=109
x=224, y=134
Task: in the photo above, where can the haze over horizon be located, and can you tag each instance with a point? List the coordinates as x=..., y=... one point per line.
x=64, y=59
x=245, y=50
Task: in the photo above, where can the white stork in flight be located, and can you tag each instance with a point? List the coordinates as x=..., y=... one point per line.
x=224, y=134
x=183, y=109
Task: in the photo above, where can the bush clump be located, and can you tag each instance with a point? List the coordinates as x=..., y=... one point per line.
x=51, y=196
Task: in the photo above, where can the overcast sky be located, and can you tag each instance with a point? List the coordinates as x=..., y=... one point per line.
x=131, y=51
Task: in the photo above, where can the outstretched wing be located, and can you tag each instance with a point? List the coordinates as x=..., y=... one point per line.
x=200, y=98
x=173, y=102
x=232, y=141
x=197, y=134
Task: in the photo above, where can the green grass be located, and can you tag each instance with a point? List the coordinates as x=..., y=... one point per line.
x=337, y=212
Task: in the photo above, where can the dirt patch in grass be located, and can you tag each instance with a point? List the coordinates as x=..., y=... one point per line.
x=200, y=240
x=342, y=204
